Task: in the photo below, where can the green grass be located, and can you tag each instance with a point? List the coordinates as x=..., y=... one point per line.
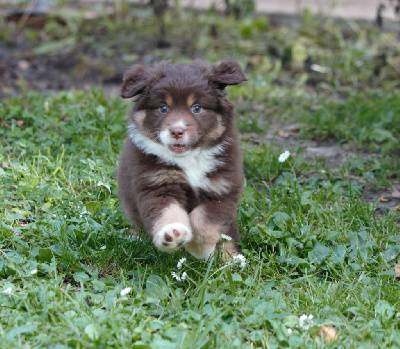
x=312, y=247
x=312, y=243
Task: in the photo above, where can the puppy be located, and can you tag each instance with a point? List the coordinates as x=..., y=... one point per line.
x=180, y=172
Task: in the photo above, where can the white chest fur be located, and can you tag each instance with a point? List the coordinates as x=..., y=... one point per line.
x=196, y=164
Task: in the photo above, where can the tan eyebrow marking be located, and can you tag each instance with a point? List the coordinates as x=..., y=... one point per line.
x=191, y=100
x=169, y=100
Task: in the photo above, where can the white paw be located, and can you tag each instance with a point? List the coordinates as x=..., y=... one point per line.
x=172, y=236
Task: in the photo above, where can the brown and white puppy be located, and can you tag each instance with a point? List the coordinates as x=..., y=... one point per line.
x=180, y=172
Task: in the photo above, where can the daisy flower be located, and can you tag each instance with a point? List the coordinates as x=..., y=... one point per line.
x=306, y=321
x=240, y=260
x=179, y=277
x=180, y=263
x=284, y=156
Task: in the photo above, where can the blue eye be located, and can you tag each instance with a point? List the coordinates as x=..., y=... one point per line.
x=163, y=109
x=196, y=109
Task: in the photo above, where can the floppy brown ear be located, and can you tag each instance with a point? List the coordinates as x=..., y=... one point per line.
x=134, y=81
x=227, y=73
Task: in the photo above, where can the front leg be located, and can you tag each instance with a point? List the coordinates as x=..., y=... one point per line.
x=210, y=220
x=167, y=222
x=171, y=230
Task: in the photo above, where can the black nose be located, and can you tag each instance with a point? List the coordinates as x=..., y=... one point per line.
x=177, y=131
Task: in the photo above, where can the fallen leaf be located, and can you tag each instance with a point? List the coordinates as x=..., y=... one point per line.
x=293, y=128
x=397, y=270
x=288, y=132
x=396, y=194
x=35, y=19
x=383, y=198
x=328, y=333
x=5, y=164
x=20, y=123
x=283, y=134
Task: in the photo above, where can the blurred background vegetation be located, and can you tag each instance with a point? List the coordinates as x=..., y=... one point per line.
x=54, y=45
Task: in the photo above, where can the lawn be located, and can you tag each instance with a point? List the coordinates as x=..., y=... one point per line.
x=318, y=236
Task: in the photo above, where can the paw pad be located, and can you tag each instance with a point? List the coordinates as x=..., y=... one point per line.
x=168, y=238
x=172, y=236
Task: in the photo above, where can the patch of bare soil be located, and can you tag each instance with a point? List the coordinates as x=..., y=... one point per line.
x=19, y=68
x=286, y=137
x=386, y=200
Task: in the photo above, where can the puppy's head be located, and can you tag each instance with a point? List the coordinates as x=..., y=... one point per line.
x=181, y=106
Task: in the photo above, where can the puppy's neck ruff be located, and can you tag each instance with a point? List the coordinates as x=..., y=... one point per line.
x=196, y=163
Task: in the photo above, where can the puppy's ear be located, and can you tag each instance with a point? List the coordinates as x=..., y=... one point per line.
x=134, y=81
x=227, y=73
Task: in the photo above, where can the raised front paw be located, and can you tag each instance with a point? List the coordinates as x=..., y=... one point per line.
x=172, y=236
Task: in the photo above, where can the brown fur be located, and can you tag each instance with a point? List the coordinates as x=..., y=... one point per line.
x=157, y=185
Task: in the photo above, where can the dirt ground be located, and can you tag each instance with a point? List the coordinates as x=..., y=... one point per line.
x=19, y=68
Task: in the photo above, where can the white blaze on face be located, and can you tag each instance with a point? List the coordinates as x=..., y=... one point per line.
x=167, y=139
x=195, y=163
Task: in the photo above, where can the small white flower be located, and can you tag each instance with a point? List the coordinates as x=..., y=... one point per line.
x=175, y=276
x=240, y=260
x=8, y=290
x=33, y=272
x=226, y=237
x=125, y=291
x=180, y=263
x=306, y=321
x=178, y=277
x=103, y=247
x=289, y=330
x=284, y=156
x=105, y=185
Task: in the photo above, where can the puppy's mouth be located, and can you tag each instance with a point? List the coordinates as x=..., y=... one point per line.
x=179, y=148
